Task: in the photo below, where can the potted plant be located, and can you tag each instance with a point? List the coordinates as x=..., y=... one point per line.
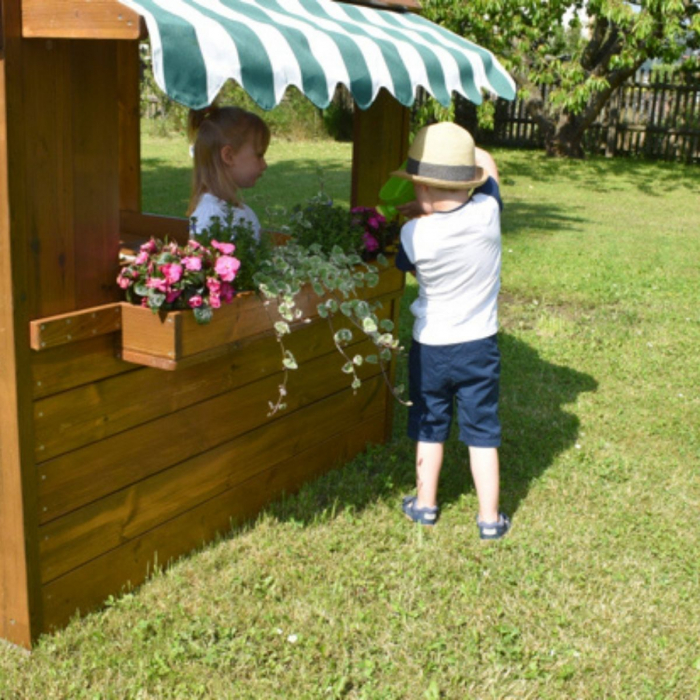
x=239, y=288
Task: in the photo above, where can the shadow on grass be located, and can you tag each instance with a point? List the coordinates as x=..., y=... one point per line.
x=537, y=427
x=599, y=174
x=527, y=217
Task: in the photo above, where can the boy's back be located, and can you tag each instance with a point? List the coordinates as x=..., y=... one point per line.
x=457, y=261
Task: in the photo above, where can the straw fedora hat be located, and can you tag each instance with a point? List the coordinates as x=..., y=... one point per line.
x=442, y=155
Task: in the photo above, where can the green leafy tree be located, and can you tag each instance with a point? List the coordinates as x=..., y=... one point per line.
x=582, y=50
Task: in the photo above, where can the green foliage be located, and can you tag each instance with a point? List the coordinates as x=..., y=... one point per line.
x=251, y=252
x=337, y=277
x=322, y=223
x=338, y=116
x=581, y=59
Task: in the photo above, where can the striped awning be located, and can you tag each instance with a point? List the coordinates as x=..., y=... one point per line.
x=268, y=45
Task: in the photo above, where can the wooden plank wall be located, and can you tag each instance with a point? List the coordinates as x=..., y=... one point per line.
x=137, y=465
x=72, y=157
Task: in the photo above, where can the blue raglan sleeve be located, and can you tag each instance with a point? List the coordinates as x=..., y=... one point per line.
x=491, y=189
x=402, y=261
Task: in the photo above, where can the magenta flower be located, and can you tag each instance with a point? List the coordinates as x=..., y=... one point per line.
x=227, y=292
x=371, y=243
x=172, y=272
x=149, y=247
x=225, y=248
x=172, y=295
x=227, y=267
x=157, y=283
x=195, y=301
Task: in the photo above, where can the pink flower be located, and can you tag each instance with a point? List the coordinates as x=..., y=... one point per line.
x=172, y=272
x=156, y=283
x=214, y=301
x=213, y=285
x=141, y=258
x=144, y=301
x=195, y=301
x=172, y=295
x=123, y=282
x=371, y=243
x=227, y=292
x=192, y=263
x=227, y=267
x=192, y=243
x=225, y=248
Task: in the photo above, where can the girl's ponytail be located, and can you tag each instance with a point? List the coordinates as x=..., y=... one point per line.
x=195, y=119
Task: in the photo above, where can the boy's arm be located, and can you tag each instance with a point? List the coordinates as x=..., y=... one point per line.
x=485, y=160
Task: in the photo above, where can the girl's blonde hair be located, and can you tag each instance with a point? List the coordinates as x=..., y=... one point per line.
x=210, y=130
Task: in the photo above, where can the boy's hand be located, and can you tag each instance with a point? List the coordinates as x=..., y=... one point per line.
x=412, y=210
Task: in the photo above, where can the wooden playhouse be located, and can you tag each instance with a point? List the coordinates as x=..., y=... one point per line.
x=109, y=462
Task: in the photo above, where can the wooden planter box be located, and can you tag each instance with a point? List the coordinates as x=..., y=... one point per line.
x=167, y=339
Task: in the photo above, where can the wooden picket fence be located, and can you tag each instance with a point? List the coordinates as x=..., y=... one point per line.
x=653, y=115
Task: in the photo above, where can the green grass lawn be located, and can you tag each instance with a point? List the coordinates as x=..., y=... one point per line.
x=333, y=594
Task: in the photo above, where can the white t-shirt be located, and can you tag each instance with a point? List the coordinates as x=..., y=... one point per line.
x=457, y=260
x=210, y=206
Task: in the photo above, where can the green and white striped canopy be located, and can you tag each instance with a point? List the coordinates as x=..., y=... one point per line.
x=268, y=45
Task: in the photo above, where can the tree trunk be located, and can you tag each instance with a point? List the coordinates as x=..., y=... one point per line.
x=566, y=138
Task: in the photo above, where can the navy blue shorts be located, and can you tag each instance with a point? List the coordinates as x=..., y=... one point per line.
x=465, y=372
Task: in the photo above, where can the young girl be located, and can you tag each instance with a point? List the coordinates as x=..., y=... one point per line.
x=229, y=155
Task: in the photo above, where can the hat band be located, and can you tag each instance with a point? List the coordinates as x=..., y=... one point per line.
x=449, y=173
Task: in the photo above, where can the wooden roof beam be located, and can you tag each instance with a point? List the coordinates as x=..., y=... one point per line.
x=80, y=19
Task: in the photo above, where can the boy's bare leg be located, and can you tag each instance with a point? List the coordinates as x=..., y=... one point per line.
x=428, y=464
x=485, y=472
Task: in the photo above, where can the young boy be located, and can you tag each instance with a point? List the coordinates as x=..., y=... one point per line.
x=453, y=247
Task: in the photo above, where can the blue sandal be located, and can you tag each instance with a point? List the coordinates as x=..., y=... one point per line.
x=424, y=516
x=494, y=531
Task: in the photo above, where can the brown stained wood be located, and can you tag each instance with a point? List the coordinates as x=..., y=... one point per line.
x=69, y=366
x=90, y=413
x=20, y=594
x=49, y=151
x=86, y=588
x=380, y=144
x=87, y=533
x=68, y=482
x=46, y=333
x=95, y=170
x=79, y=19
x=128, y=92
x=137, y=228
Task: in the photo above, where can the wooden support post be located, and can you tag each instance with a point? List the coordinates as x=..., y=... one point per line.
x=21, y=615
x=380, y=146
